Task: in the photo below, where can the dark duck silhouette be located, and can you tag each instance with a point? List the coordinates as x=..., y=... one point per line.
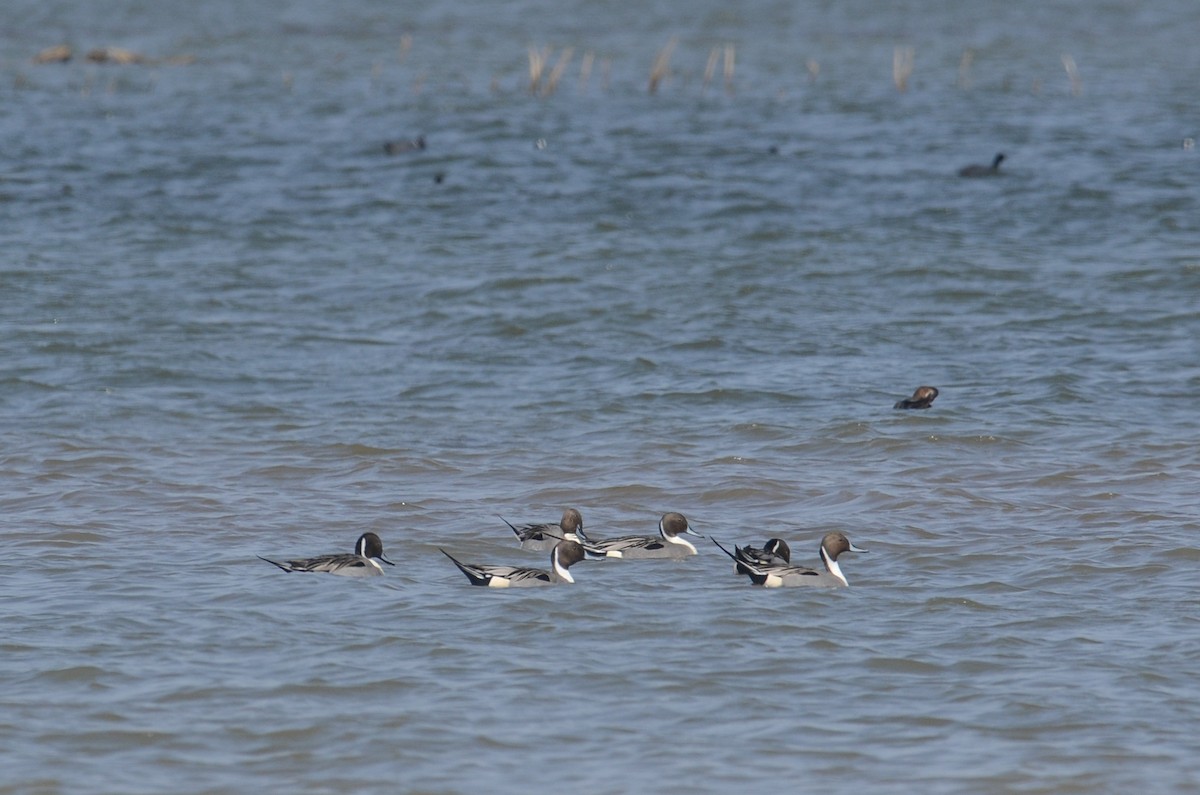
x=976, y=170
x=922, y=398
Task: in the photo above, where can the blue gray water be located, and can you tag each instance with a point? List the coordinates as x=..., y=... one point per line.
x=232, y=326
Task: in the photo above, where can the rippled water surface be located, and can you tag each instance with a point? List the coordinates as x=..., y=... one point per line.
x=234, y=326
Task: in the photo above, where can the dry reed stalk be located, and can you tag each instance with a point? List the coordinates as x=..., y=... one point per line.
x=728, y=68
x=662, y=64
x=1072, y=74
x=537, y=63
x=814, y=69
x=964, y=69
x=585, y=70
x=711, y=66
x=556, y=73
x=902, y=66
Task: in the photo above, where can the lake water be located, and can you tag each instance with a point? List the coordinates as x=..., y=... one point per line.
x=233, y=326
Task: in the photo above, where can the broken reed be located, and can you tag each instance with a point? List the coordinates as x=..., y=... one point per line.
x=964, y=68
x=710, y=67
x=662, y=64
x=1072, y=74
x=543, y=84
x=537, y=62
x=902, y=66
x=556, y=73
x=545, y=79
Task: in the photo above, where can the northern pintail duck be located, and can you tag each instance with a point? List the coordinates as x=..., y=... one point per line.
x=976, y=170
x=773, y=553
x=562, y=557
x=922, y=398
x=787, y=576
x=668, y=544
x=363, y=563
x=543, y=537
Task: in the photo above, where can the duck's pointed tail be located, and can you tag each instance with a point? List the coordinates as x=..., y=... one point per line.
x=275, y=563
x=512, y=527
x=474, y=576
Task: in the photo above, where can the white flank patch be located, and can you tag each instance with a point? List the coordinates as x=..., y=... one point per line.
x=498, y=582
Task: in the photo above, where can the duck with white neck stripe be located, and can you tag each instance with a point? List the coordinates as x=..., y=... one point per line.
x=668, y=544
x=564, y=555
x=363, y=563
x=788, y=576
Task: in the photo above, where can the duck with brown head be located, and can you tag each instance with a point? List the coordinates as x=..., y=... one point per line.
x=922, y=398
x=543, y=537
x=564, y=555
x=668, y=543
x=787, y=576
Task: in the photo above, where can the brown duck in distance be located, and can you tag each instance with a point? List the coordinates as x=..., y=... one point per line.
x=922, y=398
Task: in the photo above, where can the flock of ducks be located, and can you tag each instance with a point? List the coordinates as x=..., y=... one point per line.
x=769, y=566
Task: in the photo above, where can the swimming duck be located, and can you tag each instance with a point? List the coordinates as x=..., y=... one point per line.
x=363, y=563
x=773, y=553
x=976, y=170
x=922, y=398
x=542, y=537
x=562, y=557
x=775, y=576
x=668, y=544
